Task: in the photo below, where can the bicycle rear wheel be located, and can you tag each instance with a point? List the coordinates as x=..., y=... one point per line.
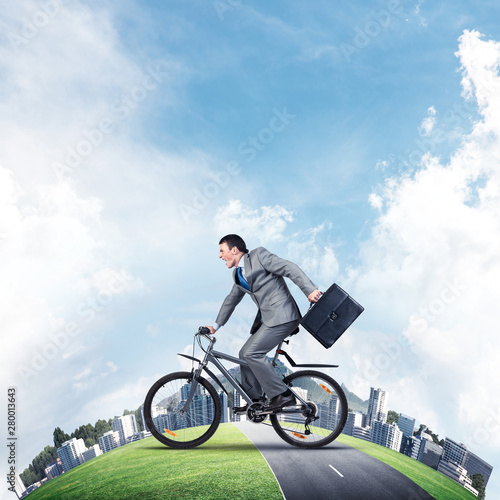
x=170, y=425
x=321, y=420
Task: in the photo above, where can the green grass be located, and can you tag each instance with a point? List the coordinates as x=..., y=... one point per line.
x=226, y=467
x=432, y=481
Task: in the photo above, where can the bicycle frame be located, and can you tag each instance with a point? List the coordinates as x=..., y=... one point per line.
x=212, y=356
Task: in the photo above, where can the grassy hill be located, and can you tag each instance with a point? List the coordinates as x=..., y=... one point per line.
x=432, y=481
x=219, y=469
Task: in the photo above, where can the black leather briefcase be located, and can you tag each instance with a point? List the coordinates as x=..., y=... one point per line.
x=331, y=316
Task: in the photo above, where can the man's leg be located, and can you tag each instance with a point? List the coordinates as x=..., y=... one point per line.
x=260, y=373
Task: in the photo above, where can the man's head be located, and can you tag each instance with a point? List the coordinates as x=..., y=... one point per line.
x=231, y=249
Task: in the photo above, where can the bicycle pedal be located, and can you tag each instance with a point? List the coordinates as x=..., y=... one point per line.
x=239, y=411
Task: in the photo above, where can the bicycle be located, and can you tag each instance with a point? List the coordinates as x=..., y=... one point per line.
x=183, y=409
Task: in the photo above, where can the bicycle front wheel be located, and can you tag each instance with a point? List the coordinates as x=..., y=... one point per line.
x=321, y=419
x=170, y=422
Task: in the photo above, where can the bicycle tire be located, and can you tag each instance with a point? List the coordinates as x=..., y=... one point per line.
x=164, y=419
x=327, y=403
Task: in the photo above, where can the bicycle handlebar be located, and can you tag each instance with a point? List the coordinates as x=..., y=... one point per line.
x=203, y=330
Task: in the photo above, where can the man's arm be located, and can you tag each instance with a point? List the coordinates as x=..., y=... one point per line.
x=283, y=267
x=230, y=302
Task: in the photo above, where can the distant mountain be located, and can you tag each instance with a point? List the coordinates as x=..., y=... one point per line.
x=355, y=402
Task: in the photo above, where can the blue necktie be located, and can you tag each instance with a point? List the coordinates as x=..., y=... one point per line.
x=243, y=281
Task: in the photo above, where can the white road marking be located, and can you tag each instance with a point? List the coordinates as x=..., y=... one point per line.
x=336, y=471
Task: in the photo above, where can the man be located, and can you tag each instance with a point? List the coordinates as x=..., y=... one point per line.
x=260, y=274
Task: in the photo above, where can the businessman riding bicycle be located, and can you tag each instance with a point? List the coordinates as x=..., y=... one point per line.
x=261, y=274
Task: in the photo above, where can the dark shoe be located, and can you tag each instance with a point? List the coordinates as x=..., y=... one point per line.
x=281, y=401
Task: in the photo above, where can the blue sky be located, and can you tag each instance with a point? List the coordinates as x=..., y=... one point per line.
x=360, y=141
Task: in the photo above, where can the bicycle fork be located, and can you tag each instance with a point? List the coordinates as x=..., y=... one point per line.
x=196, y=373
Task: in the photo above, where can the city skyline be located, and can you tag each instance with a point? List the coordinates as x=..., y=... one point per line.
x=451, y=460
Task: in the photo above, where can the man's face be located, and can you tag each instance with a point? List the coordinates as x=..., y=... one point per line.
x=228, y=255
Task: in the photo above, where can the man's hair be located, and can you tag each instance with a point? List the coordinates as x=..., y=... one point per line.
x=233, y=240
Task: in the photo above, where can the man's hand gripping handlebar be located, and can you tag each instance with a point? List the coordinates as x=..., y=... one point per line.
x=206, y=331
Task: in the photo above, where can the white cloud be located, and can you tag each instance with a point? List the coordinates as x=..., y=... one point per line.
x=83, y=374
x=430, y=274
x=112, y=368
x=375, y=201
x=419, y=15
x=262, y=225
x=428, y=123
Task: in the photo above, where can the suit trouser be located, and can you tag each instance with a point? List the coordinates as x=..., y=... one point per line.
x=260, y=374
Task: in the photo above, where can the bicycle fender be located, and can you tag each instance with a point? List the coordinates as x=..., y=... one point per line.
x=188, y=357
x=214, y=378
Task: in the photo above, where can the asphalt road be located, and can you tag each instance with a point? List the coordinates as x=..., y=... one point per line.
x=334, y=472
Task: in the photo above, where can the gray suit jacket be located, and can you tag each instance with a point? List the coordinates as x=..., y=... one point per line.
x=265, y=274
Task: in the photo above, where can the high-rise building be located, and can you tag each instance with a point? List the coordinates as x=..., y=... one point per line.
x=387, y=435
x=377, y=406
x=92, y=452
x=454, y=452
x=406, y=445
x=406, y=424
x=71, y=453
x=354, y=419
x=54, y=469
x=476, y=465
x=126, y=425
x=19, y=487
x=426, y=451
x=431, y=453
x=109, y=441
x=415, y=449
x=224, y=418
